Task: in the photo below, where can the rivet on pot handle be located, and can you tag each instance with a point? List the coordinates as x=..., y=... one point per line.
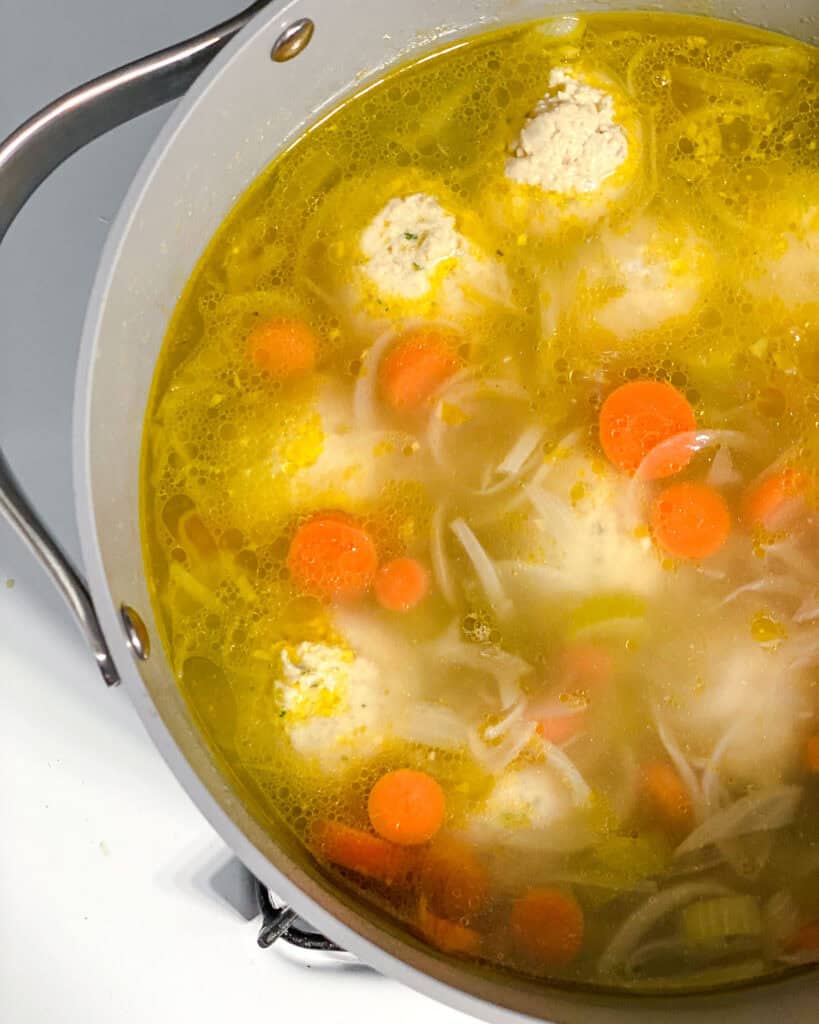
x=27, y=157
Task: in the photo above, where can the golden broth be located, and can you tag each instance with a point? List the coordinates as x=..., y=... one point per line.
x=722, y=191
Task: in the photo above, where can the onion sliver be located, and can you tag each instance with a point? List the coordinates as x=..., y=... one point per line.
x=430, y=725
x=685, y=770
x=635, y=928
x=692, y=441
x=365, y=399
x=437, y=554
x=521, y=451
x=563, y=765
x=484, y=568
x=763, y=811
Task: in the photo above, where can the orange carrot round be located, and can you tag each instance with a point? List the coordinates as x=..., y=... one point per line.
x=811, y=754
x=331, y=556
x=448, y=936
x=560, y=728
x=547, y=926
x=361, y=852
x=805, y=940
x=453, y=880
x=773, y=504
x=665, y=795
x=690, y=520
x=416, y=367
x=283, y=348
x=638, y=416
x=401, y=584
x=407, y=807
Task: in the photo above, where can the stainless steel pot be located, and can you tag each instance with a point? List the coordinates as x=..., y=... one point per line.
x=237, y=116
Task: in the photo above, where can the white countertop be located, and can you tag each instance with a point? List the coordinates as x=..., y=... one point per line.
x=117, y=900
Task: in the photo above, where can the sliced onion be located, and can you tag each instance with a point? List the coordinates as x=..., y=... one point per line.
x=513, y=714
x=692, y=441
x=484, y=568
x=563, y=765
x=711, y=784
x=518, y=455
x=722, y=472
x=673, y=949
x=467, y=392
x=430, y=725
x=635, y=928
x=507, y=669
x=365, y=397
x=437, y=554
x=680, y=762
x=776, y=583
x=766, y=810
x=495, y=758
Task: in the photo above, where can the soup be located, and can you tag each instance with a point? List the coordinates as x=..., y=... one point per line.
x=480, y=498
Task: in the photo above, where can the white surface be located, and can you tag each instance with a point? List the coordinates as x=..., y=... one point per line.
x=112, y=888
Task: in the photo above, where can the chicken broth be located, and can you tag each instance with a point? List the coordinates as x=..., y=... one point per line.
x=480, y=498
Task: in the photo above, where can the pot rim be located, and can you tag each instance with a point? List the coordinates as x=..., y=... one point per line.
x=578, y=1005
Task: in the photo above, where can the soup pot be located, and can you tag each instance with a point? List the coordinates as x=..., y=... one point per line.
x=289, y=63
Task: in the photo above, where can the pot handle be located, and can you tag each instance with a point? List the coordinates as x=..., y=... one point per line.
x=27, y=157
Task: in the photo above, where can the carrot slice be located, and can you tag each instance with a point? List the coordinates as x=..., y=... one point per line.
x=448, y=936
x=407, y=807
x=636, y=417
x=690, y=520
x=401, y=584
x=283, y=348
x=665, y=795
x=332, y=556
x=416, y=367
x=547, y=926
x=807, y=938
x=774, y=503
x=559, y=729
x=585, y=665
x=811, y=754
x=361, y=852
x=453, y=880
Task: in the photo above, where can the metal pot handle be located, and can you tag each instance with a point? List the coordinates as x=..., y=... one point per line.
x=27, y=157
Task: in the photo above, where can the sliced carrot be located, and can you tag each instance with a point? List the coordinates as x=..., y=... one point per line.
x=361, y=852
x=559, y=729
x=416, y=367
x=283, y=348
x=585, y=665
x=547, y=926
x=407, y=807
x=448, y=936
x=774, y=503
x=332, y=556
x=636, y=417
x=401, y=584
x=582, y=669
x=452, y=879
x=665, y=795
x=807, y=938
x=811, y=754
x=690, y=520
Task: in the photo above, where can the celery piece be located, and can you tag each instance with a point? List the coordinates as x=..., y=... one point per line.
x=721, y=922
x=595, y=613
